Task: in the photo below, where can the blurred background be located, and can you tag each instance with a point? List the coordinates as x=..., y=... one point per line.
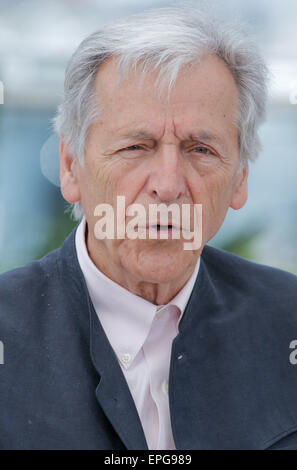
x=36, y=40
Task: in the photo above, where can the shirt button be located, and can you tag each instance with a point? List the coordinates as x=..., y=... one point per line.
x=126, y=358
x=165, y=386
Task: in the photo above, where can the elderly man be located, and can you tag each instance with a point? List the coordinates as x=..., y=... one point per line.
x=119, y=342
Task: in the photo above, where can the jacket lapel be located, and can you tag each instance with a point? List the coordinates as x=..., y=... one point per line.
x=112, y=392
x=228, y=387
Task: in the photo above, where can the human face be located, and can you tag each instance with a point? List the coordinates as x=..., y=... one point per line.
x=151, y=149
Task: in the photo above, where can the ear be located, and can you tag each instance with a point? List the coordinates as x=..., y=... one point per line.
x=68, y=174
x=240, y=190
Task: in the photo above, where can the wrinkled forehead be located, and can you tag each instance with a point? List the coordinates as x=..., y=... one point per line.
x=207, y=78
x=203, y=96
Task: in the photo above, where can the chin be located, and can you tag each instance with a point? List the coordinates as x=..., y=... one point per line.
x=163, y=268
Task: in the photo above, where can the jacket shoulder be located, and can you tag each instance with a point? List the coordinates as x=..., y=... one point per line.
x=24, y=290
x=236, y=268
x=252, y=286
x=38, y=270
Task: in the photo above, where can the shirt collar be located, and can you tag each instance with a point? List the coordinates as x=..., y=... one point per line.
x=125, y=317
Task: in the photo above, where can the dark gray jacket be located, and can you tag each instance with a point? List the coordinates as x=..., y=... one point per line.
x=231, y=384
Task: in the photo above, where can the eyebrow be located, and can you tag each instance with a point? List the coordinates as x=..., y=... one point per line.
x=138, y=135
x=198, y=136
x=207, y=136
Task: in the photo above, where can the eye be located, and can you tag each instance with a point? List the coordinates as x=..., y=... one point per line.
x=133, y=151
x=132, y=147
x=200, y=149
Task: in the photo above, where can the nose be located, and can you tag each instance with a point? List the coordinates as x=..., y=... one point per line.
x=167, y=181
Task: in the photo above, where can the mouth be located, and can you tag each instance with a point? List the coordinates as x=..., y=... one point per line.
x=161, y=227
x=158, y=231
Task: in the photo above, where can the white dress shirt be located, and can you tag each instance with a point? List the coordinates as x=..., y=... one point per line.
x=141, y=335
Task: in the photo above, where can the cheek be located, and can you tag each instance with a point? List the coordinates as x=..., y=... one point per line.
x=215, y=195
x=100, y=181
x=131, y=182
x=218, y=193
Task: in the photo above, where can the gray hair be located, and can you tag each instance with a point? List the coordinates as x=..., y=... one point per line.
x=165, y=39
